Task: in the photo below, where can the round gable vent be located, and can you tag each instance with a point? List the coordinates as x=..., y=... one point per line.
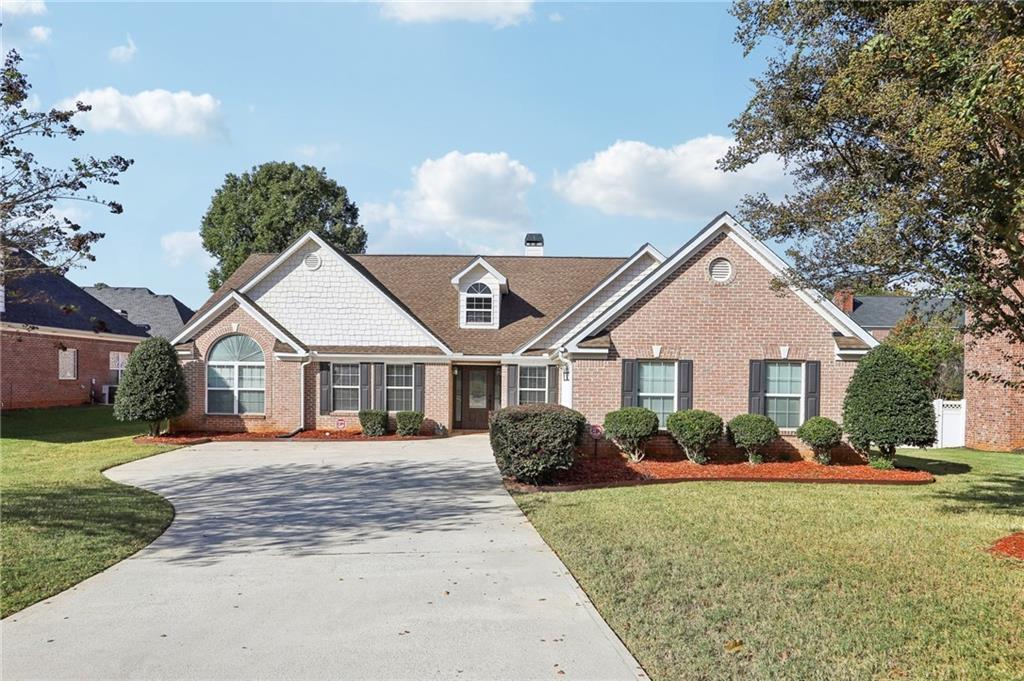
x=720, y=270
x=312, y=261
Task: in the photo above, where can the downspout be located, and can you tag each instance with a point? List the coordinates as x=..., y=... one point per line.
x=302, y=399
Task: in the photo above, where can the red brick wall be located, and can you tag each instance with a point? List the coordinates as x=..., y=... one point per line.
x=281, y=396
x=995, y=413
x=721, y=327
x=28, y=369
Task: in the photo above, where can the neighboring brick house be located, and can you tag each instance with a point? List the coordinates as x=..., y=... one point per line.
x=995, y=412
x=880, y=314
x=159, y=315
x=306, y=338
x=59, y=346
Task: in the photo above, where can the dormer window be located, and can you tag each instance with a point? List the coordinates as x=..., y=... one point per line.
x=479, y=302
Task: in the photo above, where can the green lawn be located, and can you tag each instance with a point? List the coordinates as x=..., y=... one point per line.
x=63, y=521
x=816, y=581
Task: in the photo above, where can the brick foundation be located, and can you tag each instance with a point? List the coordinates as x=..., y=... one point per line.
x=29, y=369
x=995, y=413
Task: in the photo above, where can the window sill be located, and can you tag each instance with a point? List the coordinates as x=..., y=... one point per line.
x=248, y=417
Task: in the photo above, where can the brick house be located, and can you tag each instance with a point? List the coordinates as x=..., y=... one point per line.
x=59, y=346
x=308, y=337
x=995, y=412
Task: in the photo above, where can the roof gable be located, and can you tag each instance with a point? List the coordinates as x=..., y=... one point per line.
x=161, y=315
x=725, y=225
x=200, y=320
x=480, y=262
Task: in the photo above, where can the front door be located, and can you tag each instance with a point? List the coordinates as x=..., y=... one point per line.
x=477, y=396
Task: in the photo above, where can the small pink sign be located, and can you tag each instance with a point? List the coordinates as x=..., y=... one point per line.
x=341, y=423
x=596, y=432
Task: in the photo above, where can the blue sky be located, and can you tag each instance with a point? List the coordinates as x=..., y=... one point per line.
x=455, y=127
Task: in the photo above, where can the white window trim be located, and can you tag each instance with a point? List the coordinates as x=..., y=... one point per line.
x=235, y=389
x=675, y=388
x=801, y=396
x=410, y=388
x=489, y=297
x=520, y=389
x=334, y=385
x=74, y=352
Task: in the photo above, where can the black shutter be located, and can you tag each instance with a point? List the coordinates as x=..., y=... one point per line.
x=812, y=389
x=417, y=387
x=364, y=385
x=325, y=388
x=684, y=384
x=756, y=403
x=513, y=385
x=378, y=386
x=630, y=371
x=552, y=384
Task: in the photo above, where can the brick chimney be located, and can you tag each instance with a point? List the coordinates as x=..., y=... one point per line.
x=843, y=299
x=534, y=244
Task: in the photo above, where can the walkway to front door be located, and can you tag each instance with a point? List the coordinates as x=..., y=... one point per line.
x=324, y=560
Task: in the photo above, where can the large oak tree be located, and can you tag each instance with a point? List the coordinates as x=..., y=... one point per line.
x=902, y=125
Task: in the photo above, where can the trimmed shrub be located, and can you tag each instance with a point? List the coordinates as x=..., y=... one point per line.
x=887, y=404
x=695, y=430
x=374, y=422
x=751, y=433
x=822, y=435
x=408, y=422
x=630, y=428
x=532, y=441
x=153, y=385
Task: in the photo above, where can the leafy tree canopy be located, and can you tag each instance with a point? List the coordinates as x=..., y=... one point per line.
x=902, y=126
x=30, y=191
x=266, y=209
x=936, y=347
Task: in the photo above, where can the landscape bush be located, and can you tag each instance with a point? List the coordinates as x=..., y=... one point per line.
x=822, y=435
x=887, y=405
x=374, y=422
x=152, y=387
x=532, y=441
x=630, y=428
x=408, y=422
x=751, y=433
x=695, y=430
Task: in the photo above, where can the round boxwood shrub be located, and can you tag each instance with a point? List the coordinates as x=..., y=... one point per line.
x=751, y=433
x=695, y=430
x=822, y=435
x=630, y=428
x=408, y=422
x=887, y=405
x=532, y=441
x=374, y=422
x=153, y=385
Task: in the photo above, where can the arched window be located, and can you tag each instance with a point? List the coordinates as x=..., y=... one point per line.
x=478, y=304
x=235, y=377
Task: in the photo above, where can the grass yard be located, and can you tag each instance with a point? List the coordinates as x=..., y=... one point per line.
x=720, y=580
x=63, y=521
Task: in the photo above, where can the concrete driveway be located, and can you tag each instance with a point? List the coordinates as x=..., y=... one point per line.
x=302, y=560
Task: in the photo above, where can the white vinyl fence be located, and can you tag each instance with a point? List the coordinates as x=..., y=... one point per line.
x=950, y=420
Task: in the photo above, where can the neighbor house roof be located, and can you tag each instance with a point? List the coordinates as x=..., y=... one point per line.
x=885, y=312
x=48, y=299
x=161, y=315
x=539, y=289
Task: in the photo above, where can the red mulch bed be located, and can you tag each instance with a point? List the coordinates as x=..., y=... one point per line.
x=608, y=471
x=1012, y=546
x=200, y=437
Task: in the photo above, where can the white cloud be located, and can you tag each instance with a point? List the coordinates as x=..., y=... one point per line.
x=681, y=182
x=556, y=17
x=123, y=53
x=24, y=7
x=498, y=14
x=155, y=111
x=475, y=201
x=40, y=34
x=33, y=103
x=312, y=152
x=182, y=248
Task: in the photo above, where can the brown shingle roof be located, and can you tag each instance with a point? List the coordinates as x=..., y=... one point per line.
x=540, y=288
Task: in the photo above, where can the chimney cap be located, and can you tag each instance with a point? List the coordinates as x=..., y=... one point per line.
x=534, y=239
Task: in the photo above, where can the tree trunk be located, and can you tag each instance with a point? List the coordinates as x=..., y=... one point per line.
x=154, y=428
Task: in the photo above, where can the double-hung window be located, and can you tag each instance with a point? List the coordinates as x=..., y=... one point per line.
x=657, y=389
x=785, y=393
x=118, y=362
x=398, y=386
x=533, y=384
x=235, y=375
x=67, y=364
x=478, y=304
x=345, y=384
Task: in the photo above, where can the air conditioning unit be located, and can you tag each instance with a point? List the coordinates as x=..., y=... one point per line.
x=109, y=392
